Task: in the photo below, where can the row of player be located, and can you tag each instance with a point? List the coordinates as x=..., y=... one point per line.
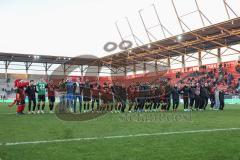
x=114, y=97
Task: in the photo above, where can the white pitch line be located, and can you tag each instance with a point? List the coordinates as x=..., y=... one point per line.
x=6, y=113
x=116, y=137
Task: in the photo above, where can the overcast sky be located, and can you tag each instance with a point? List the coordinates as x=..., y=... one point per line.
x=78, y=27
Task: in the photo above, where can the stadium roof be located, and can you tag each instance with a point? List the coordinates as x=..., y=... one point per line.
x=14, y=57
x=215, y=36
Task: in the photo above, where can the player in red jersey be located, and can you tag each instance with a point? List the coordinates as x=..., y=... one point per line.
x=163, y=99
x=104, y=99
x=110, y=94
x=51, y=87
x=117, y=98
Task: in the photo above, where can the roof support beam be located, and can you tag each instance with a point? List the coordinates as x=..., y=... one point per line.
x=219, y=57
x=178, y=17
x=6, y=63
x=183, y=63
x=134, y=70
x=227, y=8
x=47, y=66
x=199, y=59
x=27, y=66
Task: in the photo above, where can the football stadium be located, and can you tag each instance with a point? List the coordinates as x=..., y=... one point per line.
x=135, y=80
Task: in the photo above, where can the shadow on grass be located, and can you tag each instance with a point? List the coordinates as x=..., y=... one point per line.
x=63, y=113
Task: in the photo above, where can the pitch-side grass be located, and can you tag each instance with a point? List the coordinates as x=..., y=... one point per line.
x=203, y=145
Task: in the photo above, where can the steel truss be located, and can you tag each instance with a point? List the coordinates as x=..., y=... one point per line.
x=147, y=52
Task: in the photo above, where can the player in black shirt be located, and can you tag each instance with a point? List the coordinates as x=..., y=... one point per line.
x=86, y=96
x=192, y=95
x=30, y=92
x=206, y=90
x=221, y=99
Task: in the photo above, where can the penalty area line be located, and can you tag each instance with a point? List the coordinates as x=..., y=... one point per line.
x=117, y=137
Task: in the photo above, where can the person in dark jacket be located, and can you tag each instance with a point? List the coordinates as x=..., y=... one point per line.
x=95, y=89
x=175, y=97
x=30, y=92
x=123, y=97
x=141, y=97
x=203, y=95
x=168, y=89
x=156, y=100
x=185, y=92
x=221, y=99
x=192, y=95
x=197, y=96
x=207, y=94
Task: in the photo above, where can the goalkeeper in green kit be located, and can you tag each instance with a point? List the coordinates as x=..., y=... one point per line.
x=41, y=90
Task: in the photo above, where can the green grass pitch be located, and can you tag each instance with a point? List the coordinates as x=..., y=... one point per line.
x=216, y=145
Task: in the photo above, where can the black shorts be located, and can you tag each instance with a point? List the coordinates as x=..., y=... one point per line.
x=95, y=98
x=117, y=99
x=86, y=99
x=31, y=99
x=41, y=98
x=51, y=99
x=111, y=101
x=131, y=100
x=104, y=100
